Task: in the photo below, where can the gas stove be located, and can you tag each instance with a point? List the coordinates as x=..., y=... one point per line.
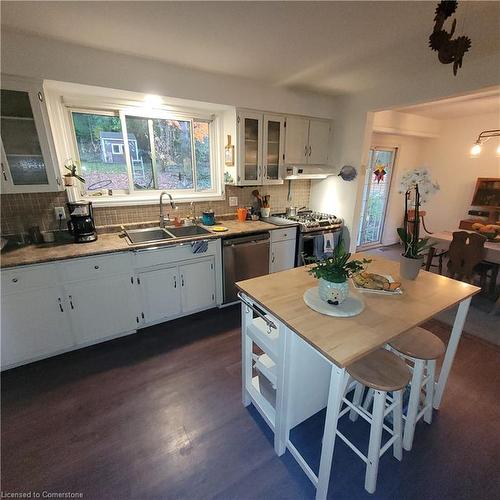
x=309, y=221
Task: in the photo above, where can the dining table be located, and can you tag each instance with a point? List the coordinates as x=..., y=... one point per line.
x=442, y=239
x=276, y=300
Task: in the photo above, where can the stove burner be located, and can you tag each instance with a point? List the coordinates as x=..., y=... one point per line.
x=310, y=221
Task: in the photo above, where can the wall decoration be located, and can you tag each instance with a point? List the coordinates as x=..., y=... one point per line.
x=229, y=153
x=449, y=49
x=379, y=172
x=348, y=173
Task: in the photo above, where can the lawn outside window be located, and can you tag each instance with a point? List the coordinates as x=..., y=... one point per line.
x=137, y=153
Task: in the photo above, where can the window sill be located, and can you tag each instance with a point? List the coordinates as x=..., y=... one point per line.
x=134, y=200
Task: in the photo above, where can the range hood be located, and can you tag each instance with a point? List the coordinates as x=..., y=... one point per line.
x=307, y=172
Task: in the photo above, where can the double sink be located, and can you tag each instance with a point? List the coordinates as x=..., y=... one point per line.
x=150, y=235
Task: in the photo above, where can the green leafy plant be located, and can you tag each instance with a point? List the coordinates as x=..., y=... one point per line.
x=338, y=267
x=72, y=167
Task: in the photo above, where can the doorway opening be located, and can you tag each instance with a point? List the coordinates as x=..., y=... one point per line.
x=375, y=195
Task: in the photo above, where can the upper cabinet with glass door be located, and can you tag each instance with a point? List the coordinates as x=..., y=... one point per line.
x=28, y=163
x=260, y=148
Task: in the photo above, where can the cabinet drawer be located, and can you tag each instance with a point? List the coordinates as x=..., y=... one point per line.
x=171, y=254
x=288, y=233
x=93, y=267
x=26, y=277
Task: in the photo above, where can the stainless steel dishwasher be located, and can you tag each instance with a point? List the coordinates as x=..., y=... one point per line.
x=244, y=257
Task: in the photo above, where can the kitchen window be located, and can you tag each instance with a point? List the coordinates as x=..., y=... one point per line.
x=129, y=152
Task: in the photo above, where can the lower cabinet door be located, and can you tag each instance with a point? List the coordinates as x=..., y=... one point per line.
x=35, y=324
x=161, y=294
x=282, y=256
x=102, y=308
x=197, y=285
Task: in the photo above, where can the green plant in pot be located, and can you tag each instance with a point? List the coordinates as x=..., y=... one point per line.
x=333, y=273
x=69, y=178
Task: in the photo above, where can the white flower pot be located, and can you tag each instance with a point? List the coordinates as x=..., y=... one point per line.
x=333, y=293
x=409, y=268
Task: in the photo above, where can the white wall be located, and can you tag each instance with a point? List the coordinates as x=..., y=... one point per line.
x=449, y=162
x=408, y=156
x=395, y=122
x=37, y=57
x=355, y=114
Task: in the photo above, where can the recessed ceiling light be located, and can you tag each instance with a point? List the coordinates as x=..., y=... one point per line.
x=152, y=99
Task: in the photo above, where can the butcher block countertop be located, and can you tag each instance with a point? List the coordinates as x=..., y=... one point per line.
x=112, y=242
x=345, y=340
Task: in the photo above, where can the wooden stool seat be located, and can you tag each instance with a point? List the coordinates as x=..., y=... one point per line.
x=418, y=343
x=381, y=370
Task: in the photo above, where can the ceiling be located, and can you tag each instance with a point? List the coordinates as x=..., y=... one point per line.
x=457, y=107
x=330, y=47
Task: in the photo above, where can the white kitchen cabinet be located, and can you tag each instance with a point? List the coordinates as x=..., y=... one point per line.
x=297, y=140
x=273, y=149
x=101, y=308
x=282, y=256
x=319, y=140
x=161, y=294
x=35, y=324
x=261, y=143
x=28, y=160
x=197, y=285
x=307, y=141
x=249, y=148
x=282, y=249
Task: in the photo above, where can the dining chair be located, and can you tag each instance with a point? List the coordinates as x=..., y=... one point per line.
x=465, y=255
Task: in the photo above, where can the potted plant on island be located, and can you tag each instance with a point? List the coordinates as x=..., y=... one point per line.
x=333, y=273
x=416, y=186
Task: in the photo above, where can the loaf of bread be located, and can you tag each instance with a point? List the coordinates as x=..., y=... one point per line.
x=374, y=281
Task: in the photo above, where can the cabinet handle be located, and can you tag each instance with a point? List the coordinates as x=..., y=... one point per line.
x=137, y=319
x=138, y=281
x=71, y=301
x=305, y=151
x=3, y=172
x=14, y=280
x=60, y=304
x=182, y=280
x=96, y=267
x=310, y=150
x=40, y=96
x=175, y=281
x=142, y=315
x=272, y=257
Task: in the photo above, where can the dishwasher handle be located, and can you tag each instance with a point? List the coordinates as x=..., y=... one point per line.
x=255, y=238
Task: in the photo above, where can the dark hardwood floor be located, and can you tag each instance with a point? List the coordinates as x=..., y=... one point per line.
x=159, y=415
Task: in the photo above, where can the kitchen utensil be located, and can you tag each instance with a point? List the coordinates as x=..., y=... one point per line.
x=348, y=173
x=208, y=218
x=219, y=229
x=242, y=214
x=81, y=224
x=291, y=211
x=255, y=217
x=265, y=212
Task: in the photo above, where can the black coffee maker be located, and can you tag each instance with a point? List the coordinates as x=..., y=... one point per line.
x=81, y=225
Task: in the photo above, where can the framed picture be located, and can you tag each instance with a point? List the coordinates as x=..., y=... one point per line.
x=229, y=153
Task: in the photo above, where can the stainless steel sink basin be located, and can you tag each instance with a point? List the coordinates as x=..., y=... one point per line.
x=148, y=235
x=152, y=234
x=184, y=231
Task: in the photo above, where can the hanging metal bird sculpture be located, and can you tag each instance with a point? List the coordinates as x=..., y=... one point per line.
x=449, y=50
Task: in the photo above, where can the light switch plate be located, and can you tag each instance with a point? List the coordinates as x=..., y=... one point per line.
x=59, y=213
x=233, y=201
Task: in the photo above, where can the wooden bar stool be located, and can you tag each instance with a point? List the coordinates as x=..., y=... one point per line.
x=384, y=372
x=421, y=348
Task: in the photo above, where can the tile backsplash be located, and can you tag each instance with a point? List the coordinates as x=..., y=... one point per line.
x=21, y=211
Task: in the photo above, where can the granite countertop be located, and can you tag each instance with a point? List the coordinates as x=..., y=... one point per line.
x=113, y=242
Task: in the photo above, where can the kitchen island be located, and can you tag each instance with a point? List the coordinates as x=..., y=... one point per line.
x=300, y=343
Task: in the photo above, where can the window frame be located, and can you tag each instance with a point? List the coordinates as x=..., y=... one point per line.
x=133, y=196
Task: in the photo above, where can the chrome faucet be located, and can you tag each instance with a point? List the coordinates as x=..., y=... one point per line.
x=172, y=204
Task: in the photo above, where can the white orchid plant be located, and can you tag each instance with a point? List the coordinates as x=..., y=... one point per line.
x=417, y=186
x=418, y=177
